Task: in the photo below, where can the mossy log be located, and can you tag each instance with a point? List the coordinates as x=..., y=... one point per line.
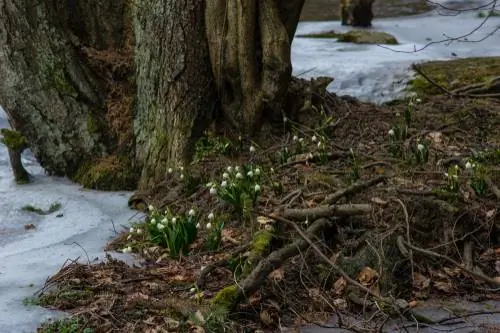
x=16, y=144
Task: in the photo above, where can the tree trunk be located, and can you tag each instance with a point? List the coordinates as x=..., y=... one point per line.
x=357, y=13
x=70, y=87
x=175, y=90
x=47, y=89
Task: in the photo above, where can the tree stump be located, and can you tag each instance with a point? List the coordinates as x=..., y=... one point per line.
x=16, y=144
x=357, y=13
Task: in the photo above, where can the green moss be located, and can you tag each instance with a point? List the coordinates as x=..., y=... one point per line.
x=13, y=139
x=227, y=297
x=53, y=208
x=62, y=84
x=368, y=37
x=356, y=36
x=261, y=242
x=93, y=125
x=453, y=74
x=111, y=173
x=326, y=34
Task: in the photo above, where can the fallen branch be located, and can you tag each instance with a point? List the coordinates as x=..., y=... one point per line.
x=325, y=211
x=356, y=187
x=451, y=261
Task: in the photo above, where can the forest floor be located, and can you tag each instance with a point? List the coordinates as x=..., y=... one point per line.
x=401, y=203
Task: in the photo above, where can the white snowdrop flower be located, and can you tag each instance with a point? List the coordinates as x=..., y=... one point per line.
x=131, y=230
x=192, y=290
x=257, y=188
x=446, y=174
x=223, y=184
x=257, y=172
x=272, y=170
x=295, y=138
x=229, y=169
x=182, y=176
x=239, y=176
x=252, y=149
x=153, y=221
x=285, y=119
x=320, y=144
x=211, y=216
x=181, y=168
x=250, y=173
x=170, y=170
x=314, y=138
x=301, y=140
x=198, y=225
x=160, y=226
x=455, y=177
x=225, y=175
x=237, y=168
x=410, y=103
x=139, y=231
x=129, y=237
x=456, y=166
x=310, y=156
x=192, y=212
x=151, y=208
x=164, y=220
x=468, y=165
x=213, y=191
x=202, y=268
x=128, y=249
x=391, y=132
x=420, y=147
x=418, y=100
x=210, y=184
x=209, y=225
x=174, y=219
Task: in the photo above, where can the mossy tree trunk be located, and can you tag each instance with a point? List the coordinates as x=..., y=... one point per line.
x=70, y=87
x=357, y=13
x=47, y=87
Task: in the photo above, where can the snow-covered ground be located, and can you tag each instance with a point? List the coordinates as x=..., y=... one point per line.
x=28, y=257
x=378, y=74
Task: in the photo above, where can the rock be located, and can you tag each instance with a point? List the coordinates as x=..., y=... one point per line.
x=367, y=37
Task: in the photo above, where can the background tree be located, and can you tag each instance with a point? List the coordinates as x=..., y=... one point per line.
x=357, y=13
x=123, y=87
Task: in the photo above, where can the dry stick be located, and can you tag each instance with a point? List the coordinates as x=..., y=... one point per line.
x=408, y=238
x=431, y=81
x=356, y=187
x=325, y=211
x=451, y=261
x=306, y=240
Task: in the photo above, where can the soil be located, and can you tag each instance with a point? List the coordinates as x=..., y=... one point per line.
x=406, y=230
x=324, y=10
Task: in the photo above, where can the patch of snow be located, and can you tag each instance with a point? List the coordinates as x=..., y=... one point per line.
x=380, y=73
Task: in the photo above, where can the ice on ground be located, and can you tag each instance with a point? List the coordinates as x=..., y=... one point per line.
x=379, y=73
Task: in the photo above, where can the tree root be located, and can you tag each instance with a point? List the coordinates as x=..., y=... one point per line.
x=357, y=187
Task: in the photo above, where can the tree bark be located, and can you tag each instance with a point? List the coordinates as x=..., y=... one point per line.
x=47, y=89
x=70, y=87
x=175, y=90
x=357, y=13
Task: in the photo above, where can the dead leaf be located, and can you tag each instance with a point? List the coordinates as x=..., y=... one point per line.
x=413, y=303
x=420, y=282
x=340, y=303
x=436, y=137
x=199, y=316
x=444, y=286
x=314, y=292
x=339, y=286
x=453, y=272
x=367, y=276
x=179, y=277
x=196, y=329
x=266, y=318
x=29, y=226
x=490, y=213
x=277, y=274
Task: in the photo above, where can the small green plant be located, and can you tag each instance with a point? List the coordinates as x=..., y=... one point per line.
x=240, y=187
x=478, y=181
x=299, y=144
x=66, y=325
x=421, y=153
x=284, y=155
x=397, y=135
x=214, y=226
x=207, y=145
x=35, y=301
x=175, y=232
x=355, y=172
x=452, y=178
x=322, y=149
x=32, y=209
